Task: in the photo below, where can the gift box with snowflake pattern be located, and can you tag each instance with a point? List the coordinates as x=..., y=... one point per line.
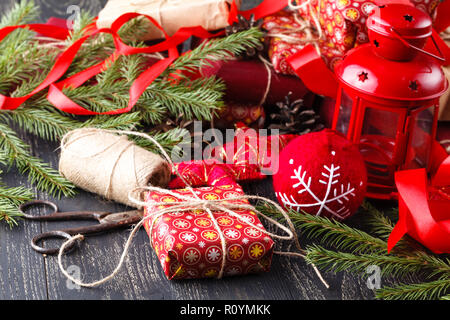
x=189, y=246
x=283, y=22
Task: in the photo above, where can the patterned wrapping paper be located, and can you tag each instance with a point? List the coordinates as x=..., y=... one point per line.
x=188, y=246
x=280, y=49
x=252, y=116
x=344, y=21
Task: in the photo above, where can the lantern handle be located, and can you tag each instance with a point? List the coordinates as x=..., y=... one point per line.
x=406, y=43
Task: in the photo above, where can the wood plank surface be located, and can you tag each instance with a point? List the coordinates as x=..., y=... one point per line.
x=25, y=274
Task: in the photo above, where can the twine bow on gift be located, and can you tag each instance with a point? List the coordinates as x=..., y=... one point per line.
x=189, y=203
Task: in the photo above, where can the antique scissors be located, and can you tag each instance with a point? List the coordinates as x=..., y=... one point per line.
x=106, y=221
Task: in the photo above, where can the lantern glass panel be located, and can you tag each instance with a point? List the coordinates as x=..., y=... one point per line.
x=345, y=112
x=378, y=135
x=421, y=140
x=380, y=122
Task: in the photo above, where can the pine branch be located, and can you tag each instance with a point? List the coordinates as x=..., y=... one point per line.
x=25, y=62
x=10, y=198
x=169, y=140
x=382, y=226
x=48, y=125
x=45, y=178
x=420, y=291
x=198, y=99
x=23, y=12
x=9, y=212
x=342, y=261
x=16, y=195
x=366, y=250
x=334, y=233
x=126, y=121
x=216, y=50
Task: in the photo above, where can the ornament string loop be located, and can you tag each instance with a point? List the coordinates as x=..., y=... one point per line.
x=189, y=203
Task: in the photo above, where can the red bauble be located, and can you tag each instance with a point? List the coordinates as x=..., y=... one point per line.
x=321, y=173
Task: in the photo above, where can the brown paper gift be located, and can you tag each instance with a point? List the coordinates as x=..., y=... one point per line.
x=170, y=14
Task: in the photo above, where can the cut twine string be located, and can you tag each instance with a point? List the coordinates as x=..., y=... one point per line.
x=189, y=203
x=289, y=35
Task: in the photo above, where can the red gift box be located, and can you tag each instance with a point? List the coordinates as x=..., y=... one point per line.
x=247, y=81
x=189, y=246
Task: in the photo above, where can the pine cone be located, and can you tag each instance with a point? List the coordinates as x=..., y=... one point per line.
x=242, y=25
x=182, y=123
x=293, y=118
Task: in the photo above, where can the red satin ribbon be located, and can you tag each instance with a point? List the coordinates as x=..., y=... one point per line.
x=10, y=103
x=442, y=20
x=424, y=213
x=63, y=103
x=310, y=67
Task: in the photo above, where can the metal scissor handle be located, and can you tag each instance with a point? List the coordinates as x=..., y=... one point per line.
x=23, y=208
x=51, y=234
x=55, y=215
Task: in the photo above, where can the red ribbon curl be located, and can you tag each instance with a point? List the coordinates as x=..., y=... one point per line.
x=424, y=205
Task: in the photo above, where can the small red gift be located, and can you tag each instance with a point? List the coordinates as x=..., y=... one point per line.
x=250, y=156
x=287, y=37
x=189, y=246
x=289, y=41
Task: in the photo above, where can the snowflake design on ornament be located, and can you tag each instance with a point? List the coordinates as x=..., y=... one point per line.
x=201, y=244
x=336, y=192
x=245, y=241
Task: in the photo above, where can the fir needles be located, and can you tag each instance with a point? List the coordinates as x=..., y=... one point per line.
x=25, y=61
x=343, y=248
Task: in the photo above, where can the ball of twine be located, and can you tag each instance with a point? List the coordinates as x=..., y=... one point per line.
x=110, y=165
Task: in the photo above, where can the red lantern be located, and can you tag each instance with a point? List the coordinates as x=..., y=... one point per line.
x=388, y=96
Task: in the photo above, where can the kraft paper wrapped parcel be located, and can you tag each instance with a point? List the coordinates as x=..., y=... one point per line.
x=170, y=14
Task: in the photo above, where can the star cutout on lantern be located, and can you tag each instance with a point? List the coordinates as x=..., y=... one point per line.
x=408, y=17
x=414, y=85
x=376, y=43
x=363, y=76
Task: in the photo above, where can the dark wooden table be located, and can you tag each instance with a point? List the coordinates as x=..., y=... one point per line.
x=25, y=274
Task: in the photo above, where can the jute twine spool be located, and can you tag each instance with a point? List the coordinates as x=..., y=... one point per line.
x=110, y=165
